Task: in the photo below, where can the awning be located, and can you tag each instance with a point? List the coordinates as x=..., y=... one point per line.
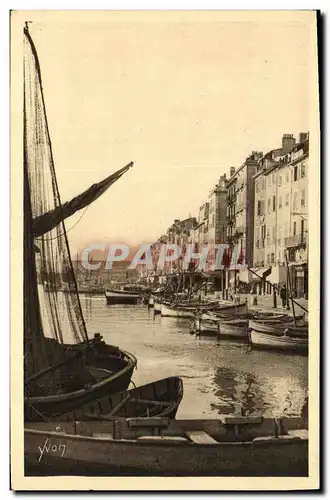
x=260, y=273
x=278, y=275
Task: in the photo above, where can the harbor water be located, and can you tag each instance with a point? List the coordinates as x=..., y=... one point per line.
x=218, y=375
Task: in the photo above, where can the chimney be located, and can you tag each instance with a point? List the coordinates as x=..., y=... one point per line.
x=288, y=142
x=303, y=136
x=232, y=171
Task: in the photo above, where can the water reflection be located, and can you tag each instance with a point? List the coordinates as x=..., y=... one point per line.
x=218, y=376
x=250, y=393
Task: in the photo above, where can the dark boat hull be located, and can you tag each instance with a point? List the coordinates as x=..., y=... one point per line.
x=116, y=369
x=122, y=297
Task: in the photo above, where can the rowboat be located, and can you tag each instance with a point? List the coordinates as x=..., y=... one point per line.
x=190, y=311
x=175, y=311
x=234, y=322
x=160, y=398
x=228, y=308
x=115, y=296
x=87, y=373
x=228, y=446
x=279, y=328
x=276, y=342
x=236, y=328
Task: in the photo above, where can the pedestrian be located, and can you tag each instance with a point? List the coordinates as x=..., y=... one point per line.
x=283, y=296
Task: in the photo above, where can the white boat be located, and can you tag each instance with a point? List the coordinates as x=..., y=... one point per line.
x=228, y=446
x=276, y=342
x=175, y=311
x=278, y=328
x=234, y=322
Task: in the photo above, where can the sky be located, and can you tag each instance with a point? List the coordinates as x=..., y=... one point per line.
x=184, y=96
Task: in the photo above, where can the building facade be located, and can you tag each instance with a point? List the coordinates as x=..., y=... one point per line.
x=240, y=215
x=281, y=221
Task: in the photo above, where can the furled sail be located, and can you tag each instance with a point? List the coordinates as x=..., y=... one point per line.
x=48, y=221
x=51, y=317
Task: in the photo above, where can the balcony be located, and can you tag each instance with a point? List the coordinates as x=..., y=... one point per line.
x=230, y=199
x=230, y=219
x=296, y=241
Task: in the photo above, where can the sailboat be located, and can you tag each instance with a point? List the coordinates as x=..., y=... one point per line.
x=63, y=367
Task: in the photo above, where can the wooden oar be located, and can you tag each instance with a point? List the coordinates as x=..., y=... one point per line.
x=119, y=406
x=151, y=402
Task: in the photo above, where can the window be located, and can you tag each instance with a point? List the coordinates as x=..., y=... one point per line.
x=268, y=203
x=273, y=177
x=303, y=169
x=259, y=208
x=287, y=199
x=302, y=226
x=274, y=203
x=294, y=228
x=263, y=232
x=268, y=258
x=272, y=258
x=280, y=202
x=295, y=197
x=280, y=180
x=296, y=173
x=303, y=197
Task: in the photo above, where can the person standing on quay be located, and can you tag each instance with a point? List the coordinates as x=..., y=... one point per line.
x=283, y=296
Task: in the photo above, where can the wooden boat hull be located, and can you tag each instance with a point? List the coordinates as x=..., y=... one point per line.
x=279, y=329
x=275, y=342
x=203, y=448
x=234, y=329
x=161, y=398
x=177, y=312
x=227, y=329
x=122, y=297
x=209, y=328
x=116, y=367
x=233, y=310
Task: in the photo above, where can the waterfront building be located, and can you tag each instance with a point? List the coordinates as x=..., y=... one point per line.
x=240, y=216
x=281, y=221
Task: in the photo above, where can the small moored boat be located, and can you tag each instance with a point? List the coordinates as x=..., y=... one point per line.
x=278, y=329
x=117, y=296
x=276, y=342
x=156, y=399
x=88, y=372
x=229, y=446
